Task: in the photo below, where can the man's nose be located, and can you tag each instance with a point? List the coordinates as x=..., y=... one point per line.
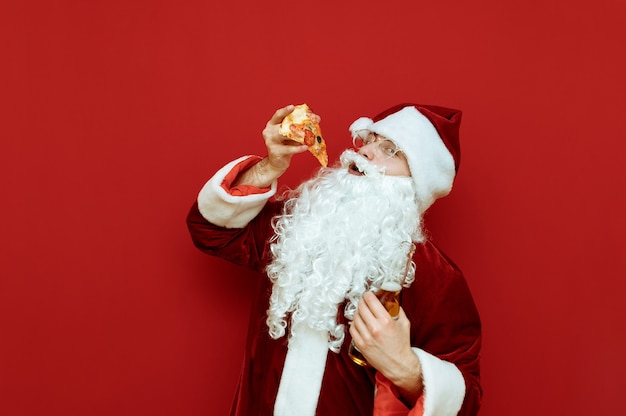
x=368, y=151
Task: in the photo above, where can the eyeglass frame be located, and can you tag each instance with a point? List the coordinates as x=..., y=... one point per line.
x=368, y=137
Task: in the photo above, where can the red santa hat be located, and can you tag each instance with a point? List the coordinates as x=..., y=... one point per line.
x=429, y=137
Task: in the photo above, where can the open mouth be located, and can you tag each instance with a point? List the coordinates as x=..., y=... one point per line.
x=357, y=165
x=355, y=170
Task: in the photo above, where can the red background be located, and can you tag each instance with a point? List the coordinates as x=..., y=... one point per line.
x=115, y=113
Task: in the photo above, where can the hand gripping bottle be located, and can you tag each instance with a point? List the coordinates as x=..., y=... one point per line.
x=389, y=295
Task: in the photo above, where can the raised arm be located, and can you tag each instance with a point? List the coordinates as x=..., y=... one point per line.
x=280, y=150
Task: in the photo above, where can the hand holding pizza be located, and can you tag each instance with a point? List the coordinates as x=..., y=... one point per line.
x=282, y=144
x=280, y=149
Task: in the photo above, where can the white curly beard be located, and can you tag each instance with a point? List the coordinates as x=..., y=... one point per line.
x=339, y=235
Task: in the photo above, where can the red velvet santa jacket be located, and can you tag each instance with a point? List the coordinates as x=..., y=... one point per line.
x=234, y=224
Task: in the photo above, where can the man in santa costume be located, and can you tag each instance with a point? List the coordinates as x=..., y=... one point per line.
x=323, y=248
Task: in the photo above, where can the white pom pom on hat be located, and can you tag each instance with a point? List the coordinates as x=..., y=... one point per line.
x=429, y=137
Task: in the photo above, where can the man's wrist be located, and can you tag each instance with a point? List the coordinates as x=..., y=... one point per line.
x=259, y=175
x=407, y=377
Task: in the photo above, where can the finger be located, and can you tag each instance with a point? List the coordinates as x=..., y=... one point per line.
x=280, y=114
x=358, y=331
x=364, y=311
x=352, y=329
x=357, y=321
x=375, y=308
x=291, y=150
x=291, y=142
x=401, y=314
x=286, y=148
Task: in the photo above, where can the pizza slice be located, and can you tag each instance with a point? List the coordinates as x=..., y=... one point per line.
x=299, y=126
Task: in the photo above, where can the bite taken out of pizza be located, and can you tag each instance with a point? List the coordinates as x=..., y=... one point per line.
x=299, y=126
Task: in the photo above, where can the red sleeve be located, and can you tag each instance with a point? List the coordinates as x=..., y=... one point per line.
x=387, y=400
x=242, y=190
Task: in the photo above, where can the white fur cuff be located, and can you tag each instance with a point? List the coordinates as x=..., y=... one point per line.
x=221, y=208
x=444, y=386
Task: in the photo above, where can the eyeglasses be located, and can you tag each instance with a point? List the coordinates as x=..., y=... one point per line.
x=386, y=147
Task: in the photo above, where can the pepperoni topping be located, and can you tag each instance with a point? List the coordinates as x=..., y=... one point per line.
x=309, y=137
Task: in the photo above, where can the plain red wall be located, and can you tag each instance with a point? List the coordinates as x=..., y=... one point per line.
x=115, y=113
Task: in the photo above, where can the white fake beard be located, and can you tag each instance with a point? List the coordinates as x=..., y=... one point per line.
x=339, y=235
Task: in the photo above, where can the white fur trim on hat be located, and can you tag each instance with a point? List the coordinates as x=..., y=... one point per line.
x=301, y=380
x=431, y=164
x=444, y=386
x=221, y=208
x=362, y=123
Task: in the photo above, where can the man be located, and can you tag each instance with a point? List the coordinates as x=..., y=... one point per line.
x=325, y=247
